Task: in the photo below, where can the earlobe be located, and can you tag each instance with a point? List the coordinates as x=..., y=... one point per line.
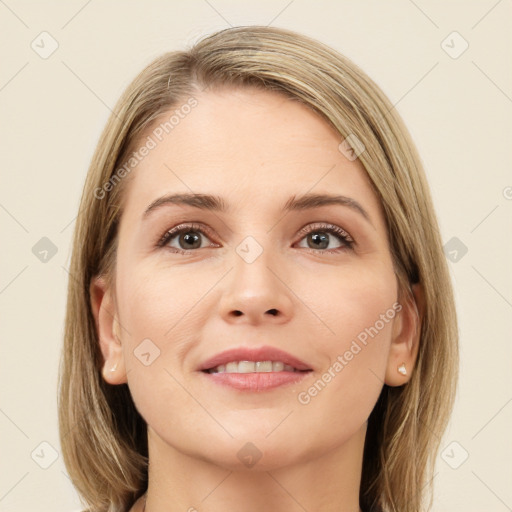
x=107, y=329
x=406, y=338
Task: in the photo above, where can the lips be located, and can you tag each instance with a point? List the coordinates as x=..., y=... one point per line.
x=254, y=354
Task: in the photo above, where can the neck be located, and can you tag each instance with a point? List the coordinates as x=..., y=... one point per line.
x=327, y=482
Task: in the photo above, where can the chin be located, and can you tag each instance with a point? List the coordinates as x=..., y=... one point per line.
x=254, y=453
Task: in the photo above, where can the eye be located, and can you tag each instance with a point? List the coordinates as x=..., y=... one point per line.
x=319, y=236
x=184, y=238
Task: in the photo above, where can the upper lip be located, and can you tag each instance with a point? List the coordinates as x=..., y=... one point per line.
x=265, y=353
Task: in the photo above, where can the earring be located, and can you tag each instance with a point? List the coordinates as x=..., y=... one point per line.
x=401, y=369
x=114, y=368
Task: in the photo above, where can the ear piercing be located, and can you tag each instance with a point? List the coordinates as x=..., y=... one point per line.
x=401, y=369
x=114, y=368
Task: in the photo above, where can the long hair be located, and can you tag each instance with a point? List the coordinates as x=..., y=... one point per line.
x=102, y=435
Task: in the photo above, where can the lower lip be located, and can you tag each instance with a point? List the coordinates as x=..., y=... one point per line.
x=256, y=381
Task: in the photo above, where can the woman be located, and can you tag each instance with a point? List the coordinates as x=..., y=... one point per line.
x=260, y=315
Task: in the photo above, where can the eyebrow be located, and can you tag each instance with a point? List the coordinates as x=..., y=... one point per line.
x=217, y=204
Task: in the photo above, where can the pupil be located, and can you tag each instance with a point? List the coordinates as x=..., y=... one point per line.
x=320, y=239
x=189, y=238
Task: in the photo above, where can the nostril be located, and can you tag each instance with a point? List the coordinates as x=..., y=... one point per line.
x=273, y=312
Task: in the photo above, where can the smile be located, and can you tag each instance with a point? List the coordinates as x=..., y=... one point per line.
x=253, y=367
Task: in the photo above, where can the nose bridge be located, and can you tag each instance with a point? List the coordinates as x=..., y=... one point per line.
x=255, y=292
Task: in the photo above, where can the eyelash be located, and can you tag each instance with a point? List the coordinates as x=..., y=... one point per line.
x=345, y=238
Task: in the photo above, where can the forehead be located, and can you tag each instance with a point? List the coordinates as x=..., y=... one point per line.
x=245, y=142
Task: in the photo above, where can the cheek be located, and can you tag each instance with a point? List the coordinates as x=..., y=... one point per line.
x=159, y=319
x=365, y=324
x=365, y=308
x=350, y=302
x=157, y=303
x=360, y=308
x=156, y=308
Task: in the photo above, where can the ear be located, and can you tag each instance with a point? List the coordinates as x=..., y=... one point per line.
x=406, y=337
x=107, y=327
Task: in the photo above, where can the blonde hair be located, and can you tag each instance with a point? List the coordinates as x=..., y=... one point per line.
x=103, y=437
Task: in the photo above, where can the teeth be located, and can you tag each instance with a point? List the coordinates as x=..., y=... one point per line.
x=277, y=366
x=245, y=366
x=252, y=367
x=232, y=367
x=263, y=366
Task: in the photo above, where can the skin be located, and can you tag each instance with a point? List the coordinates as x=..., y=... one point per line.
x=255, y=149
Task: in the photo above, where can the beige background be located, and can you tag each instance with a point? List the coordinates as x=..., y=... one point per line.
x=459, y=111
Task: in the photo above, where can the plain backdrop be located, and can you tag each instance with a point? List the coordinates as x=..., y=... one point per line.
x=446, y=65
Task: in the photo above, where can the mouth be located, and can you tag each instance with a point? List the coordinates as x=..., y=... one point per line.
x=255, y=359
x=255, y=369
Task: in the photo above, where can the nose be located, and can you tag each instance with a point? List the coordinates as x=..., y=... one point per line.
x=256, y=293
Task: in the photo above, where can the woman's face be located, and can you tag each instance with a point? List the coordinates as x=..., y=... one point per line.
x=268, y=270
